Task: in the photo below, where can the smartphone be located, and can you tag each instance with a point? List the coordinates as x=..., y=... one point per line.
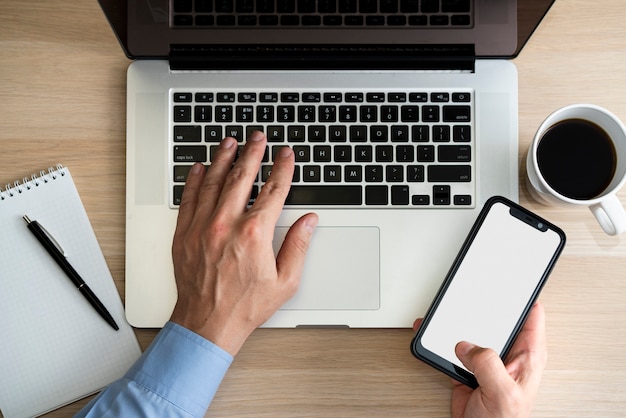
x=491, y=286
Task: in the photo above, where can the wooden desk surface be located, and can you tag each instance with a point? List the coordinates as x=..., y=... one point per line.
x=62, y=99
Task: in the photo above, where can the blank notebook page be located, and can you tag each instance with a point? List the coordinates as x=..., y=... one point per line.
x=55, y=347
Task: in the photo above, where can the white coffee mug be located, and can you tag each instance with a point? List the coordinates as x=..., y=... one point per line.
x=605, y=205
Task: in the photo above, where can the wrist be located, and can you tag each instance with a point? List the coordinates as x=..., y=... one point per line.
x=226, y=333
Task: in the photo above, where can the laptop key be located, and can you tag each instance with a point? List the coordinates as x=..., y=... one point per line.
x=190, y=153
x=399, y=195
x=325, y=195
x=376, y=195
x=187, y=134
x=449, y=173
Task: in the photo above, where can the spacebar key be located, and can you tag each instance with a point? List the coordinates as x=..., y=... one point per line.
x=325, y=195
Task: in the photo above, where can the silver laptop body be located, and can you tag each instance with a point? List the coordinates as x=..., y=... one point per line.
x=368, y=265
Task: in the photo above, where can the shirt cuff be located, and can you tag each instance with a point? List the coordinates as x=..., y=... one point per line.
x=182, y=367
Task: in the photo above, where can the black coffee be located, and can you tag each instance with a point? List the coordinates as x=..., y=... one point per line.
x=577, y=158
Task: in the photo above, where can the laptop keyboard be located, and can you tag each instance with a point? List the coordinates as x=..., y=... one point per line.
x=321, y=13
x=352, y=149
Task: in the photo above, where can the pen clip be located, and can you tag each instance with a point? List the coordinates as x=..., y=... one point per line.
x=48, y=234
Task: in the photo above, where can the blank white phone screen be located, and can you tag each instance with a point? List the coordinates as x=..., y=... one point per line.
x=492, y=286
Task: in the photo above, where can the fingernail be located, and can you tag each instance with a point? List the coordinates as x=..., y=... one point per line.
x=197, y=168
x=285, y=152
x=256, y=136
x=463, y=348
x=310, y=223
x=227, y=142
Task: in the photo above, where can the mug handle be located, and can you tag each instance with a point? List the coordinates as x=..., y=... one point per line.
x=610, y=214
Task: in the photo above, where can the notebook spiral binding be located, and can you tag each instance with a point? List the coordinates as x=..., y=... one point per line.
x=35, y=180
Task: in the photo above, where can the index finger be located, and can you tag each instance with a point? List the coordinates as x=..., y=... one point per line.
x=274, y=192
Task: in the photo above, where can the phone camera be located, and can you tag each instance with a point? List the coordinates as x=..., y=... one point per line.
x=540, y=225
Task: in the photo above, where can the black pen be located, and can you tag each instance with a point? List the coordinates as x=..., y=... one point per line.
x=49, y=243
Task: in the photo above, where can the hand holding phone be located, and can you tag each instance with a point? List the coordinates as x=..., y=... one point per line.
x=491, y=287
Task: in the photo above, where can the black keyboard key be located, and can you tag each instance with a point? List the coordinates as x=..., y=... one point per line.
x=342, y=153
x=181, y=172
x=353, y=173
x=183, y=20
x=358, y=133
x=327, y=6
x=394, y=173
x=368, y=6
x=286, y=6
x=384, y=153
x=337, y=134
x=426, y=153
x=213, y=134
x=204, y=97
x=405, y=154
x=317, y=133
x=462, y=200
x=461, y=97
x=264, y=6
x=182, y=6
x=374, y=173
x=187, y=134
x=203, y=113
x=322, y=153
x=430, y=6
x=363, y=153
x=376, y=195
x=225, y=97
x=245, y=6
x=430, y=113
x=235, y=131
x=182, y=97
x=347, y=6
x=409, y=6
x=460, y=20
x=456, y=113
x=332, y=173
x=182, y=113
x=224, y=6
x=354, y=97
x=399, y=133
x=455, y=6
x=441, y=133
x=311, y=173
x=204, y=6
x=454, y=153
x=399, y=195
x=302, y=153
x=461, y=133
x=439, y=97
x=325, y=195
x=420, y=200
x=178, y=194
x=306, y=6
x=190, y=154
x=415, y=173
x=449, y=173
x=441, y=195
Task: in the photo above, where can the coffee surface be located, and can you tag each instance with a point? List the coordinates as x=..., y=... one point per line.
x=577, y=159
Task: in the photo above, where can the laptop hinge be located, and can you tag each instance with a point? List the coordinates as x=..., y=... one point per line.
x=322, y=57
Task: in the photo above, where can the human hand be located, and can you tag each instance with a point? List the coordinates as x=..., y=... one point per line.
x=506, y=389
x=228, y=280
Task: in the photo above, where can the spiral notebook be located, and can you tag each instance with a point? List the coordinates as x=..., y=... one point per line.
x=55, y=347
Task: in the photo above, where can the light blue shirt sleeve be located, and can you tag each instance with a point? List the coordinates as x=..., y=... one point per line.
x=177, y=376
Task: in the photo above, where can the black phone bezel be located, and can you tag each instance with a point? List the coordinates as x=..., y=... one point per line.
x=443, y=365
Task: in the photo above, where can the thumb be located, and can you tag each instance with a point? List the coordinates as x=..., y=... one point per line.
x=486, y=365
x=291, y=256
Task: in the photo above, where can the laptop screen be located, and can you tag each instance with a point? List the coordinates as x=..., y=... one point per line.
x=153, y=28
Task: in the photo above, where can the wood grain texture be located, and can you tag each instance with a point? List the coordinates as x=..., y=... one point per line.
x=62, y=99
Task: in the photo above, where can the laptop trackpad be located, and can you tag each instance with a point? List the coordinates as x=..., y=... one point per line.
x=341, y=271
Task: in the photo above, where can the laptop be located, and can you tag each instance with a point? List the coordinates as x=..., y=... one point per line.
x=402, y=115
